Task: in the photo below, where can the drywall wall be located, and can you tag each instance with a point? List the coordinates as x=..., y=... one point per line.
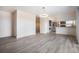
x=44, y=25
x=25, y=24
x=5, y=24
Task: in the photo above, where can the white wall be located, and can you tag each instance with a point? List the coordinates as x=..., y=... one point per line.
x=25, y=24
x=44, y=25
x=5, y=24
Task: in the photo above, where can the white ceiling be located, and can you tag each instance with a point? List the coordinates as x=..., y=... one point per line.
x=38, y=9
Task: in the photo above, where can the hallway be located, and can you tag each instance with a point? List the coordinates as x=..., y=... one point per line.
x=41, y=43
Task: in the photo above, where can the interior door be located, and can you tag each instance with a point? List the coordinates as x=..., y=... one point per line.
x=37, y=24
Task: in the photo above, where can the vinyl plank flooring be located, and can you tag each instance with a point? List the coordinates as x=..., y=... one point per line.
x=40, y=43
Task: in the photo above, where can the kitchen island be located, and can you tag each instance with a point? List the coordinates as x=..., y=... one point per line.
x=66, y=30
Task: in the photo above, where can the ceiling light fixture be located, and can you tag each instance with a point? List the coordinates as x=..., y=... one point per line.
x=44, y=14
x=43, y=7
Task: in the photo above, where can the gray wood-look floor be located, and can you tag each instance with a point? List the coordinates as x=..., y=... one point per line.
x=41, y=43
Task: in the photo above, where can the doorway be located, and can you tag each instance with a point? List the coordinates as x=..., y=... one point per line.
x=37, y=25
x=52, y=26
